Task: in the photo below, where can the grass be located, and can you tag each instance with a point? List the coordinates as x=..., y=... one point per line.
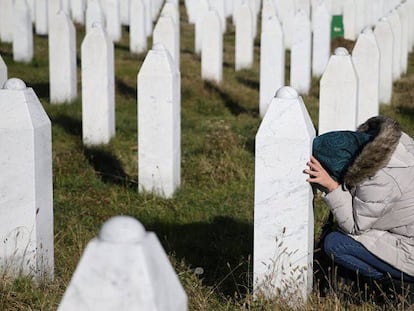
x=207, y=228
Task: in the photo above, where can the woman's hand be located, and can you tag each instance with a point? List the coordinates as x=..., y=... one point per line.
x=318, y=175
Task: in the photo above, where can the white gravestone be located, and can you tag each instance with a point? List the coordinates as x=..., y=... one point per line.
x=300, y=57
x=62, y=59
x=78, y=10
x=137, y=36
x=403, y=15
x=268, y=11
x=349, y=19
x=26, y=207
x=202, y=10
x=272, y=61
x=66, y=7
x=113, y=20
x=42, y=17
x=148, y=17
x=3, y=72
x=286, y=10
x=394, y=21
x=244, y=51
x=98, y=87
x=6, y=20
x=125, y=6
x=165, y=34
x=212, y=48
x=360, y=15
x=31, y=4
x=53, y=8
x=218, y=5
x=385, y=41
x=321, y=47
x=94, y=14
x=191, y=7
x=338, y=94
x=22, y=32
x=171, y=9
x=283, y=211
x=124, y=268
x=159, y=124
x=366, y=60
x=303, y=5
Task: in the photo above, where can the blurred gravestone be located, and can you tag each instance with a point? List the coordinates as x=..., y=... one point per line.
x=283, y=211
x=78, y=10
x=113, y=20
x=159, y=124
x=202, y=10
x=403, y=12
x=125, y=6
x=244, y=37
x=300, y=58
x=26, y=228
x=62, y=59
x=42, y=17
x=394, y=20
x=171, y=10
x=98, y=87
x=366, y=60
x=6, y=20
x=165, y=33
x=349, y=19
x=137, y=36
x=321, y=47
x=338, y=94
x=272, y=61
x=3, y=72
x=22, y=32
x=94, y=14
x=385, y=41
x=212, y=48
x=124, y=268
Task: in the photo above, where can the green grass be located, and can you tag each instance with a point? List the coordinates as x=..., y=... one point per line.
x=209, y=222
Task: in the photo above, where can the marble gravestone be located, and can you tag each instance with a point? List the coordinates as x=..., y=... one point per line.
x=53, y=7
x=62, y=59
x=159, y=124
x=165, y=34
x=22, y=32
x=124, y=268
x=202, y=10
x=403, y=15
x=321, y=47
x=78, y=10
x=26, y=208
x=171, y=9
x=42, y=16
x=272, y=61
x=148, y=17
x=212, y=48
x=3, y=72
x=6, y=20
x=366, y=60
x=286, y=12
x=268, y=11
x=349, y=19
x=31, y=4
x=113, y=20
x=338, y=94
x=360, y=16
x=300, y=57
x=125, y=6
x=244, y=37
x=395, y=23
x=66, y=7
x=219, y=6
x=137, y=36
x=98, y=87
x=94, y=14
x=191, y=7
x=283, y=211
x=385, y=38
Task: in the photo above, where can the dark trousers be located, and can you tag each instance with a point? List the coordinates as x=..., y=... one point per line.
x=352, y=255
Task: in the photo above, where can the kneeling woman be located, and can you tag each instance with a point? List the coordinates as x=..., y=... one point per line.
x=368, y=180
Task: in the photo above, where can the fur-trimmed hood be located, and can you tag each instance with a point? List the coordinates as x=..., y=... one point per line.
x=377, y=153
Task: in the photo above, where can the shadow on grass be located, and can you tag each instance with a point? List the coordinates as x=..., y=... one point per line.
x=229, y=102
x=70, y=125
x=108, y=167
x=222, y=248
x=249, y=83
x=125, y=89
x=41, y=89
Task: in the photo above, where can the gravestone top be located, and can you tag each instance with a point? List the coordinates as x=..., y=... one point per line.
x=367, y=30
x=341, y=51
x=14, y=84
x=287, y=92
x=122, y=229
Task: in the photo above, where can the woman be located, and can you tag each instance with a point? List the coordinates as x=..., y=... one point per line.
x=368, y=180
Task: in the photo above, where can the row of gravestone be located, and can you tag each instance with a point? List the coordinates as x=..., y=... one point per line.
x=351, y=88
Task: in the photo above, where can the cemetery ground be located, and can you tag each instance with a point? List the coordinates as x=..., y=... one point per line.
x=207, y=227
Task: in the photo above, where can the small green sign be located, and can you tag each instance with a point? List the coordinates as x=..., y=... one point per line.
x=337, y=26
